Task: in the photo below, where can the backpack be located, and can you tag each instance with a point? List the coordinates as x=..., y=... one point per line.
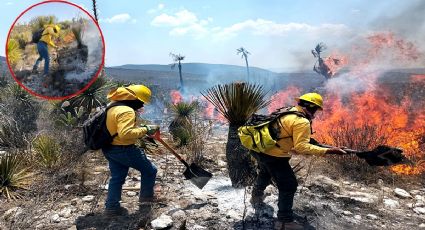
x=95, y=132
x=36, y=36
x=258, y=135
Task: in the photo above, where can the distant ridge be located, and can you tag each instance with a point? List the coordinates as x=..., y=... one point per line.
x=199, y=68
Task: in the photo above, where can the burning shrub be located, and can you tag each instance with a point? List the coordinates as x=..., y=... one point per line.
x=12, y=175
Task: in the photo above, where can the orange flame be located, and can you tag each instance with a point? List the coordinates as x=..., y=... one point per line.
x=283, y=98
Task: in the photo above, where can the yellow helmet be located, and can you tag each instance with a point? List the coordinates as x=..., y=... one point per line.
x=313, y=98
x=142, y=92
x=57, y=28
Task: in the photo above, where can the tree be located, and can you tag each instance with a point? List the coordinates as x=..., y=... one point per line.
x=177, y=58
x=321, y=66
x=244, y=54
x=237, y=102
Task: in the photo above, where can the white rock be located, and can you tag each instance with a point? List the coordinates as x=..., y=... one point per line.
x=357, y=217
x=372, y=217
x=131, y=193
x=232, y=214
x=419, y=198
x=221, y=163
x=419, y=210
x=415, y=192
x=65, y=212
x=12, y=213
x=198, y=227
x=422, y=225
x=402, y=193
x=179, y=215
x=88, y=198
x=391, y=204
x=164, y=221
x=55, y=218
x=347, y=213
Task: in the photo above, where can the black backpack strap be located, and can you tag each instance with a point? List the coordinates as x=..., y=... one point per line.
x=287, y=112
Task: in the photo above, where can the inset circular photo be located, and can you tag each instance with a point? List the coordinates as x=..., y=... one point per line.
x=55, y=50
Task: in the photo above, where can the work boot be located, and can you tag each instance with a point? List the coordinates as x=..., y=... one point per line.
x=34, y=71
x=280, y=225
x=255, y=200
x=121, y=211
x=152, y=199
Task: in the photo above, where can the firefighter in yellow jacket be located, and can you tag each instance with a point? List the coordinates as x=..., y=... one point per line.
x=49, y=32
x=294, y=137
x=122, y=153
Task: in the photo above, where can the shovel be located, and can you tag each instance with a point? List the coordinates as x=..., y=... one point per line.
x=197, y=175
x=380, y=156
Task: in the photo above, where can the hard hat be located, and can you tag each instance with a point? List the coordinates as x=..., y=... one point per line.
x=57, y=28
x=142, y=92
x=313, y=98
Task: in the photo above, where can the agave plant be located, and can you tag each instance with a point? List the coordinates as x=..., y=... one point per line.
x=12, y=176
x=14, y=52
x=47, y=151
x=77, y=31
x=237, y=102
x=181, y=125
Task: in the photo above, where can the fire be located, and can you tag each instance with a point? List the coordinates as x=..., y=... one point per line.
x=369, y=112
x=335, y=62
x=210, y=112
x=176, y=96
x=283, y=98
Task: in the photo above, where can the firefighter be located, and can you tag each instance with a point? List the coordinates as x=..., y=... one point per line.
x=123, y=153
x=46, y=40
x=294, y=137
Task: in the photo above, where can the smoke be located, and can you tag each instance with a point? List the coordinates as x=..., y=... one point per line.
x=92, y=39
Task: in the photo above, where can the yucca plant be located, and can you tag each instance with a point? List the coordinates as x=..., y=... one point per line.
x=14, y=53
x=94, y=96
x=237, y=102
x=21, y=106
x=12, y=176
x=181, y=125
x=47, y=151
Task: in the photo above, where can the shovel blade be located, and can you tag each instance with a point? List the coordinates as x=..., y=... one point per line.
x=383, y=156
x=197, y=175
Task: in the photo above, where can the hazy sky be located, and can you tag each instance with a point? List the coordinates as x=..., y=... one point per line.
x=279, y=34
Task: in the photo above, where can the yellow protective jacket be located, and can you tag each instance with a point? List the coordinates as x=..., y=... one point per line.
x=47, y=35
x=294, y=136
x=122, y=119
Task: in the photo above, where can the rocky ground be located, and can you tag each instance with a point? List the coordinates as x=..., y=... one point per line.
x=320, y=203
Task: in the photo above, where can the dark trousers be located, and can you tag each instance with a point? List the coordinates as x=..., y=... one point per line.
x=43, y=51
x=278, y=169
x=120, y=159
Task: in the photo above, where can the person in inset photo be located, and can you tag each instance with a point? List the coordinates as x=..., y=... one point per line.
x=55, y=56
x=44, y=38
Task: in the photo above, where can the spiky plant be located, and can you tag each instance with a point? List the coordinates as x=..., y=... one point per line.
x=14, y=53
x=177, y=59
x=11, y=136
x=22, y=107
x=41, y=21
x=181, y=125
x=237, y=102
x=47, y=151
x=94, y=9
x=244, y=54
x=12, y=176
x=94, y=96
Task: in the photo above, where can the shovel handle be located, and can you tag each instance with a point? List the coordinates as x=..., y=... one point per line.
x=349, y=151
x=172, y=151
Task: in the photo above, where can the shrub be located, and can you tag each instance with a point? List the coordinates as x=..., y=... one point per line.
x=10, y=134
x=12, y=176
x=14, y=53
x=181, y=125
x=47, y=151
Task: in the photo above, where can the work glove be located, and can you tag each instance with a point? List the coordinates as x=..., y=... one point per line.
x=152, y=129
x=335, y=151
